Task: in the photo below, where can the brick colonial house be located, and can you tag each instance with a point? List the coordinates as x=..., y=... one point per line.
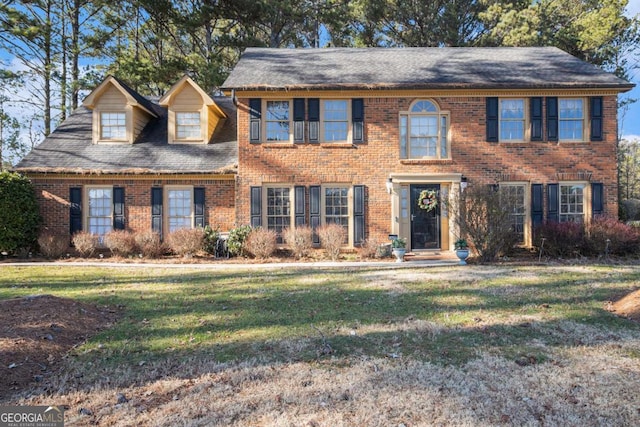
x=351, y=136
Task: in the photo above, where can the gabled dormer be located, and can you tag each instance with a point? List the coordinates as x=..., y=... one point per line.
x=192, y=115
x=119, y=112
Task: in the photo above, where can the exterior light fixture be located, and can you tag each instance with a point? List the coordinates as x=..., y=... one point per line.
x=463, y=183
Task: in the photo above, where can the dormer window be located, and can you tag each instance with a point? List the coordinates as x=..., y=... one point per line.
x=113, y=126
x=188, y=125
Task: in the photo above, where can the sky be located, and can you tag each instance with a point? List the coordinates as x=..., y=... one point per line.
x=631, y=123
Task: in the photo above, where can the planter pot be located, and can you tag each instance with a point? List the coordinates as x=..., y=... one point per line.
x=462, y=254
x=399, y=254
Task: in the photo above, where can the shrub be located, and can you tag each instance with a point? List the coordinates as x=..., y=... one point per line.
x=622, y=239
x=120, y=242
x=53, y=245
x=484, y=221
x=236, y=240
x=85, y=243
x=18, y=227
x=186, y=241
x=561, y=239
x=261, y=243
x=371, y=248
x=332, y=238
x=211, y=236
x=149, y=243
x=300, y=240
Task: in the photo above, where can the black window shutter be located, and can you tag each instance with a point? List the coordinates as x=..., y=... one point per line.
x=255, y=112
x=536, y=118
x=596, y=118
x=198, y=206
x=75, y=210
x=492, y=119
x=118, y=208
x=552, y=119
x=358, y=215
x=156, y=209
x=597, y=198
x=299, y=206
x=314, y=211
x=256, y=206
x=298, y=119
x=357, y=117
x=537, y=210
x=314, y=119
x=552, y=202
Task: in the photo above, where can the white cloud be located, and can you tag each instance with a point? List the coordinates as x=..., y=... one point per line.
x=631, y=137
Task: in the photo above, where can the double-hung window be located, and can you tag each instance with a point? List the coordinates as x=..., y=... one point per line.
x=277, y=121
x=572, y=202
x=514, y=200
x=179, y=208
x=336, y=201
x=571, y=119
x=100, y=210
x=279, y=210
x=512, y=120
x=424, y=132
x=335, y=117
x=188, y=125
x=113, y=126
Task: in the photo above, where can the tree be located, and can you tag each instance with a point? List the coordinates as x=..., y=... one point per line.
x=18, y=227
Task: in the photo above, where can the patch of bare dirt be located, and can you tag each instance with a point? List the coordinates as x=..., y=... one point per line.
x=36, y=332
x=627, y=306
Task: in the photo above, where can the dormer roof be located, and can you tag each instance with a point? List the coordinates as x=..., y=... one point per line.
x=133, y=97
x=168, y=98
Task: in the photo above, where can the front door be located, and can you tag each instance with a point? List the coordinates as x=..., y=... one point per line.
x=425, y=224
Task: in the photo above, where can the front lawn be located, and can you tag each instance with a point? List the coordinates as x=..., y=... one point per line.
x=476, y=345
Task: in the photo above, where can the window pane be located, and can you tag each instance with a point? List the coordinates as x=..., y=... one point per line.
x=335, y=120
x=424, y=107
x=99, y=219
x=277, y=120
x=179, y=209
x=572, y=203
x=337, y=207
x=571, y=119
x=113, y=125
x=187, y=125
x=513, y=200
x=403, y=137
x=424, y=131
x=278, y=210
x=512, y=119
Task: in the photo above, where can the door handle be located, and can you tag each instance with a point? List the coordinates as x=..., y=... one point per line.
x=412, y=217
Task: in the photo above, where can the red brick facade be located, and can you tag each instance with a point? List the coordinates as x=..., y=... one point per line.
x=53, y=196
x=374, y=161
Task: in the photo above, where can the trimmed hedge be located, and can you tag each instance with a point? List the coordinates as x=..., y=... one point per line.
x=19, y=214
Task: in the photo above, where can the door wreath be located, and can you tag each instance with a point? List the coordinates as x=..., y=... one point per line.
x=428, y=200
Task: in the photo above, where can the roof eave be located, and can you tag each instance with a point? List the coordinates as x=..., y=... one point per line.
x=225, y=170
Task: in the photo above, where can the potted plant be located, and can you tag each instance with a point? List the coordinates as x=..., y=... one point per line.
x=398, y=247
x=462, y=250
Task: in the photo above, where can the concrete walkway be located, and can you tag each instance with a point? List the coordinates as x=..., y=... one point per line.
x=223, y=265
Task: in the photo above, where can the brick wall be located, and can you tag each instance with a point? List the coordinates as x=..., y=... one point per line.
x=372, y=163
x=53, y=195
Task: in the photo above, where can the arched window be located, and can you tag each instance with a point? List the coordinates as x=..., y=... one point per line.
x=423, y=131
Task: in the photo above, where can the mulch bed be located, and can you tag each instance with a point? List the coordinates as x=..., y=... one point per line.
x=36, y=333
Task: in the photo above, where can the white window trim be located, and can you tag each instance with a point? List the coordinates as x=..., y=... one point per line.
x=438, y=114
x=526, y=122
x=585, y=119
x=173, y=118
x=323, y=121
x=101, y=138
x=586, y=199
x=165, y=204
x=527, y=208
x=86, y=202
x=263, y=124
x=265, y=204
x=323, y=209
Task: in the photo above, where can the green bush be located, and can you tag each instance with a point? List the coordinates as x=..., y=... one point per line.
x=19, y=214
x=237, y=237
x=211, y=236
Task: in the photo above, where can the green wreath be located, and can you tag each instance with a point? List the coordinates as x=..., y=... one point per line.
x=428, y=200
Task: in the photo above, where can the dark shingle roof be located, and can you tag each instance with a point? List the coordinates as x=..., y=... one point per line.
x=414, y=68
x=69, y=148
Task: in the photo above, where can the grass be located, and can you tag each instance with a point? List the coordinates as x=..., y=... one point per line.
x=188, y=325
